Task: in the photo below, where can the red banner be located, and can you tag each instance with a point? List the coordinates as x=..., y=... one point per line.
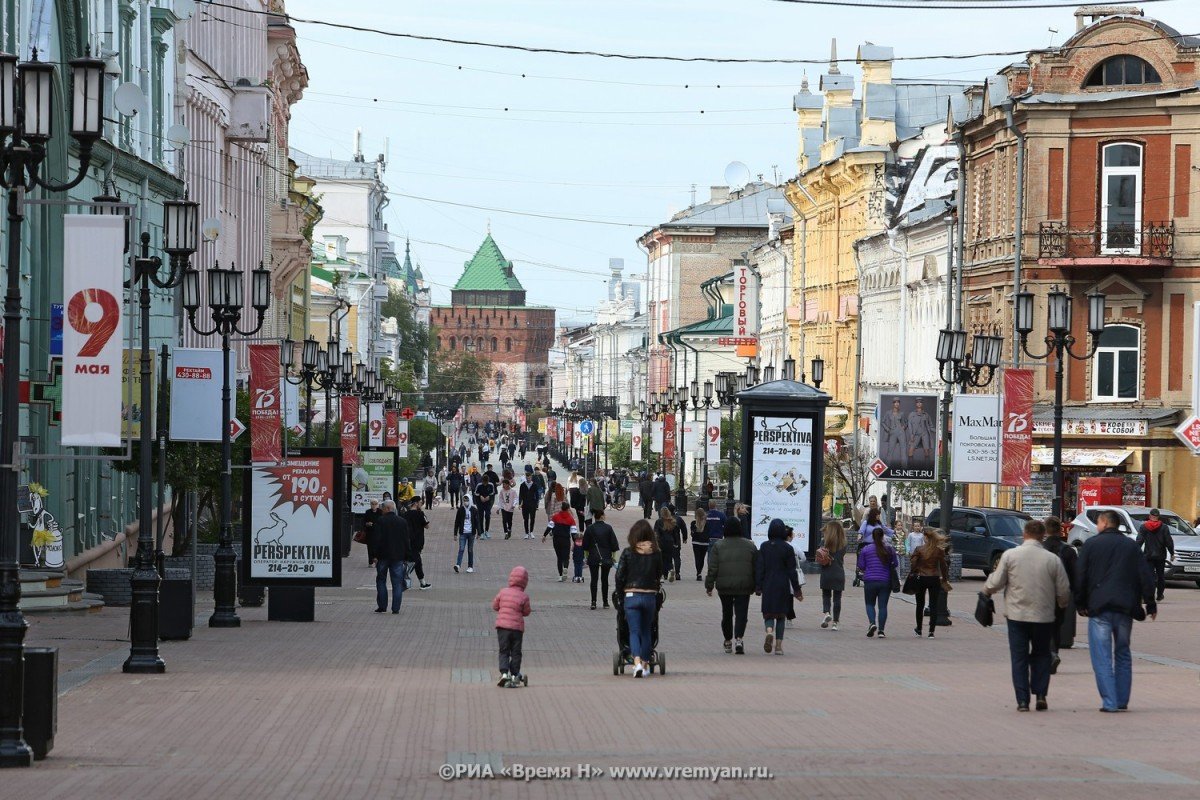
x=266, y=405
x=1017, y=442
x=391, y=428
x=551, y=428
x=570, y=441
x=669, y=435
x=349, y=429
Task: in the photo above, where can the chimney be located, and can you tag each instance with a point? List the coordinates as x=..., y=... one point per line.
x=808, y=108
x=718, y=194
x=1088, y=15
x=878, y=99
x=358, y=155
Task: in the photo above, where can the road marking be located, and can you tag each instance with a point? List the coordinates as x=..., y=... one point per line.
x=1142, y=773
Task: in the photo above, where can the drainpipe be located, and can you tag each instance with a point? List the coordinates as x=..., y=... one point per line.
x=961, y=222
x=1018, y=223
x=903, y=256
x=858, y=358
x=804, y=273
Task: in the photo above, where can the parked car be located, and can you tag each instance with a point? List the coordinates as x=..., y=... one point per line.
x=1186, y=564
x=980, y=534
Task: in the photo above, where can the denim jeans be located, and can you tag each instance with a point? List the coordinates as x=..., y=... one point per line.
x=1029, y=650
x=399, y=571
x=1108, y=643
x=877, y=593
x=466, y=541
x=832, y=599
x=640, y=608
x=577, y=558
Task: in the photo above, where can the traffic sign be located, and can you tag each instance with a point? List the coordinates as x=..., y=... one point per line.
x=236, y=428
x=1189, y=433
x=586, y=427
x=878, y=467
x=407, y=413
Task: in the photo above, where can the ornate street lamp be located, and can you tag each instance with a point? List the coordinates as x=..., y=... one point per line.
x=226, y=299
x=313, y=362
x=26, y=112
x=818, y=371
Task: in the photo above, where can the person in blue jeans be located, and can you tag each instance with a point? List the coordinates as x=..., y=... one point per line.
x=468, y=524
x=1112, y=581
x=875, y=563
x=389, y=547
x=639, y=577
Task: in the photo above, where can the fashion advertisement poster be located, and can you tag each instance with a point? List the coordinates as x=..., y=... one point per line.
x=781, y=452
x=908, y=438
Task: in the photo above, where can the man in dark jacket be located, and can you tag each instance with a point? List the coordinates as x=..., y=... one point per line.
x=390, y=546
x=1112, y=580
x=731, y=567
x=661, y=492
x=646, y=495
x=417, y=523
x=528, y=498
x=1056, y=543
x=1155, y=540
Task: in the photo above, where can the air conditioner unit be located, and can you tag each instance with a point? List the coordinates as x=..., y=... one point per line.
x=249, y=113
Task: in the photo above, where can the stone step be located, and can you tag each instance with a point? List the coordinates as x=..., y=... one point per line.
x=85, y=604
x=37, y=579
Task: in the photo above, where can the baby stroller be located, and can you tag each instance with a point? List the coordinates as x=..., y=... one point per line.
x=622, y=657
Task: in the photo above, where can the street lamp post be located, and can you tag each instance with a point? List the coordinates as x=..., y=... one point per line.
x=181, y=238
x=313, y=363
x=26, y=112
x=1059, y=343
x=226, y=298
x=728, y=386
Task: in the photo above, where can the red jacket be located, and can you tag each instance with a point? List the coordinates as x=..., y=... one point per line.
x=512, y=604
x=563, y=518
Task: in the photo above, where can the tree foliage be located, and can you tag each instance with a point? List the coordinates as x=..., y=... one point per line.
x=850, y=474
x=414, y=337
x=457, y=378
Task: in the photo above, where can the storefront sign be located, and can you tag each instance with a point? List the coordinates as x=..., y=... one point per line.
x=349, y=420
x=1017, y=444
x=266, y=412
x=375, y=475
x=1037, y=497
x=975, y=457
x=93, y=278
x=291, y=520
x=745, y=306
x=712, y=436
x=1095, y=427
x=908, y=445
x=781, y=451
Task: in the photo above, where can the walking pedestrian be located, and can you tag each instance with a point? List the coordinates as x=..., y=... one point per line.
x=830, y=558
x=1112, y=581
x=876, y=562
x=699, y=527
x=578, y=554
x=914, y=540
x=646, y=495
x=1055, y=542
x=368, y=525
x=485, y=498
x=932, y=568
x=562, y=530
x=776, y=581
x=507, y=500
x=667, y=530
x=454, y=482
x=468, y=523
x=732, y=563
x=639, y=576
x=429, y=487
x=741, y=513
x=527, y=497
x=390, y=546
x=511, y=605
x=1034, y=583
x=417, y=523
x=661, y=492
x=1156, y=543
x=595, y=498
x=600, y=543
x=577, y=496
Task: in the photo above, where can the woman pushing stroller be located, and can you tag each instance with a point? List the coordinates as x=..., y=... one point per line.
x=638, y=580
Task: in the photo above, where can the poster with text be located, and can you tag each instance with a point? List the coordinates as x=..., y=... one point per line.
x=349, y=420
x=132, y=412
x=266, y=405
x=374, y=475
x=693, y=436
x=781, y=452
x=196, y=394
x=375, y=424
x=669, y=437
x=391, y=428
x=1017, y=441
x=712, y=436
x=290, y=528
x=656, y=436
x=975, y=454
x=908, y=436
x=402, y=438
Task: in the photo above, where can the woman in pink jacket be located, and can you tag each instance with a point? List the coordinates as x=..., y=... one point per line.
x=512, y=606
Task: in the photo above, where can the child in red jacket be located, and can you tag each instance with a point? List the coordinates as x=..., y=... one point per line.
x=512, y=606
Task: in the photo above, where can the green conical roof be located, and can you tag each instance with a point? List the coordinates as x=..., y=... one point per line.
x=488, y=270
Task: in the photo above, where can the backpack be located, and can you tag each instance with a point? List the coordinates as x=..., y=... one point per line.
x=823, y=557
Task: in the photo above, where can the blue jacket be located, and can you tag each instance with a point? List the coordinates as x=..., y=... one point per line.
x=714, y=524
x=875, y=568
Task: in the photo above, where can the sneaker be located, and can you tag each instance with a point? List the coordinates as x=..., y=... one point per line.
x=834, y=625
x=425, y=586
x=638, y=671
x=1025, y=707
x=470, y=569
x=593, y=606
x=698, y=577
x=871, y=632
x=504, y=679
x=562, y=578
x=769, y=642
x=670, y=577
x=917, y=631
x=881, y=635
x=456, y=568
x=930, y=636
x=825, y=622
x=728, y=646
x=738, y=647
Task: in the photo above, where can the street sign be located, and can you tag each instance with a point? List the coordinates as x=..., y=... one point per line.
x=297, y=429
x=878, y=467
x=1189, y=433
x=448, y=428
x=407, y=413
x=586, y=427
x=236, y=428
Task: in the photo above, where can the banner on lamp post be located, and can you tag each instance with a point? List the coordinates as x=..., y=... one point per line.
x=570, y=440
x=93, y=280
x=693, y=436
x=745, y=309
x=349, y=421
x=670, y=436
x=975, y=457
x=712, y=436
x=656, y=436
x=551, y=427
x=375, y=424
x=391, y=428
x=266, y=407
x=196, y=394
x=1017, y=428
x=402, y=438
x=636, y=445
x=290, y=393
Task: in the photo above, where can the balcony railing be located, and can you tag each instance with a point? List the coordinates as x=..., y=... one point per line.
x=1150, y=241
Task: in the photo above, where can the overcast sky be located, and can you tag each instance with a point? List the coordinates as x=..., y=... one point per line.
x=585, y=137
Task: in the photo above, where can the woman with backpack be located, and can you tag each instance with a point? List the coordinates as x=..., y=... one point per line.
x=833, y=573
x=877, y=562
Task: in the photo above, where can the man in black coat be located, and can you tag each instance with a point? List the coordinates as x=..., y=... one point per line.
x=1112, y=580
x=390, y=545
x=417, y=523
x=528, y=497
x=1155, y=540
x=661, y=492
x=646, y=495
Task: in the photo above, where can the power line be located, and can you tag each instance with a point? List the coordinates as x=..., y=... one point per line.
x=952, y=5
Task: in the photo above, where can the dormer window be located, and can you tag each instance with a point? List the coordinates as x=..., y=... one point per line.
x=1122, y=71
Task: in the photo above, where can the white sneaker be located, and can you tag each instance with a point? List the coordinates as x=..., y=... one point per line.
x=639, y=672
x=470, y=569
x=456, y=568
x=425, y=586
x=825, y=622
x=833, y=625
x=562, y=578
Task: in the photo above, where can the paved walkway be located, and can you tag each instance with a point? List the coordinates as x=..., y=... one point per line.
x=364, y=705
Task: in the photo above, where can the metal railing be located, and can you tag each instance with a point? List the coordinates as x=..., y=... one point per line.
x=1150, y=240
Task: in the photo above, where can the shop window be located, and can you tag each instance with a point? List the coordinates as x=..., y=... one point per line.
x=1117, y=364
x=1122, y=71
x=1121, y=197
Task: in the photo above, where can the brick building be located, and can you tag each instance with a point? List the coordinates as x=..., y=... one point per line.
x=488, y=317
x=1111, y=121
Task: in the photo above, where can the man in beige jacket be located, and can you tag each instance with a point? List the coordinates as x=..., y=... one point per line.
x=1034, y=584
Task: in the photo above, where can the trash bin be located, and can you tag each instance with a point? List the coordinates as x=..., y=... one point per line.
x=291, y=604
x=175, y=611
x=40, y=717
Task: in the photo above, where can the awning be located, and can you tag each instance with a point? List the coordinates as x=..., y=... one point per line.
x=1081, y=457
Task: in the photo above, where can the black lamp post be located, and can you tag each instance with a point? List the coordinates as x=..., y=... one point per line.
x=26, y=112
x=226, y=298
x=181, y=238
x=1059, y=343
x=728, y=386
x=818, y=371
x=313, y=363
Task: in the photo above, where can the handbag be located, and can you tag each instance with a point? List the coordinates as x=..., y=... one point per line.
x=895, y=576
x=985, y=610
x=910, y=583
x=360, y=537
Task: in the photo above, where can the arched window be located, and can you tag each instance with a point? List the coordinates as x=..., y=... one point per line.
x=1121, y=197
x=508, y=344
x=1116, y=369
x=479, y=345
x=494, y=344
x=453, y=343
x=439, y=343
x=1122, y=71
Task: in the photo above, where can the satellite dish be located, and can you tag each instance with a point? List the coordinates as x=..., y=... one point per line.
x=179, y=136
x=211, y=229
x=184, y=9
x=737, y=175
x=129, y=100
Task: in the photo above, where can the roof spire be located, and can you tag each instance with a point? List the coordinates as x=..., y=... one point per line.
x=833, y=59
x=804, y=83
x=489, y=226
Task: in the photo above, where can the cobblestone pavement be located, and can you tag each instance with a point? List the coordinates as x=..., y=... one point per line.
x=370, y=705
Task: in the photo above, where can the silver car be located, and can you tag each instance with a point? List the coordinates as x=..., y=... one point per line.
x=1185, y=566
